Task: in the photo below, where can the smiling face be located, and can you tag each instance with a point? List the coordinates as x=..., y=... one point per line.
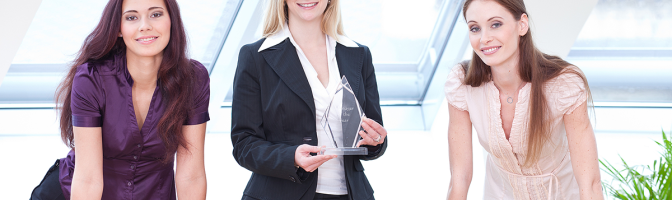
x=494, y=33
x=306, y=10
x=145, y=27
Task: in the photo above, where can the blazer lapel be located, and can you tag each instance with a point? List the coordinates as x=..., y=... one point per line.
x=282, y=58
x=350, y=61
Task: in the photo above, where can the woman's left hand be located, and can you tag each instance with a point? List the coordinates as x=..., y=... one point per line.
x=373, y=133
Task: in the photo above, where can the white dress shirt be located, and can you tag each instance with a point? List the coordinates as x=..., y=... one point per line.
x=331, y=174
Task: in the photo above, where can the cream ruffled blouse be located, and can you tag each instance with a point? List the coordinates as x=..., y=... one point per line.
x=552, y=176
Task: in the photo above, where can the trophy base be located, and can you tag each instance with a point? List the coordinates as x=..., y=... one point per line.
x=345, y=151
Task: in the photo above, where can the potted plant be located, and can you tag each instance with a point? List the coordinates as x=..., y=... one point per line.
x=642, y=182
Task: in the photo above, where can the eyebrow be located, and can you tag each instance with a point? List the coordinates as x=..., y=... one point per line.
x=135, y=11
x=488, y=19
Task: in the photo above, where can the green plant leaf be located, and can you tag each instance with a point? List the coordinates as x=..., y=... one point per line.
x=640, y=182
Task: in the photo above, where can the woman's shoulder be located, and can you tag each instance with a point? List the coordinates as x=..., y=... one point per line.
x=112, y=63
x=346, y=41
x=199, y=68
x=201, y=74
x=567, y=91
x=569, y=76
x=254, y=46
x=88, y=81
x=455, y=89
x=108, y=65
x=457, y=74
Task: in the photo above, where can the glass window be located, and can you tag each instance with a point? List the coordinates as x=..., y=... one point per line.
x=396, y=31
x=625, y=50
x=60, y=27
x=628, y=24
x=58, y=31
x=404, y=39
x=398, y=34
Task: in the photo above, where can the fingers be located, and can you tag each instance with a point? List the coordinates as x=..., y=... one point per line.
x=311, y=163
x=370, y=131
x=307, y=149
x=375, y=126
x=366, y=139
x=375, y=132
x=303, y=159
x=319, y=162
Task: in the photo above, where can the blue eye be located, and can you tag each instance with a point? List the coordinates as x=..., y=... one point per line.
x=474, y=29
x=496, y=25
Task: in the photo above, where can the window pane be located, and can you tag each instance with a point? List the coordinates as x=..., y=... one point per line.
x=625, y=50
x=398, y=34
x=60, y=27
x=58, y=31
x=397, y=31
x=628, y=24
x=206, y=23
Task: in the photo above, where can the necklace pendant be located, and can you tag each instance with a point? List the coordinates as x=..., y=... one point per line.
x=509, y=100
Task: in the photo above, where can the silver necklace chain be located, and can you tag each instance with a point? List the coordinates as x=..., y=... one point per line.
x=509, y=98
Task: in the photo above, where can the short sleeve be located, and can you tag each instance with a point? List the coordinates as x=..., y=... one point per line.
x=455, y=90
x=201, y=96
x=86, y=98
x=569, y=91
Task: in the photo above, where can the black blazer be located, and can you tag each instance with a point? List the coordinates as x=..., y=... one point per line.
x=273, y=112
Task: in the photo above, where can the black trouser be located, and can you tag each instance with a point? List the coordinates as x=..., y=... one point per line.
x=49, y=188
x=320, y=196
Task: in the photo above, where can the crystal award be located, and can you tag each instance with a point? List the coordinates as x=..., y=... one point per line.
x=342, y=121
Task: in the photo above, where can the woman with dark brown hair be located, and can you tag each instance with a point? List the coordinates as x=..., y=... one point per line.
x=529, y=110
x=132, y=101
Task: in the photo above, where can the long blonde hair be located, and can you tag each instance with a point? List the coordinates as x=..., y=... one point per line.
x=277, y=14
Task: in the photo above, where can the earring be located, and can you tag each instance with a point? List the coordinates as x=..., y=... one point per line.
x=119, y=35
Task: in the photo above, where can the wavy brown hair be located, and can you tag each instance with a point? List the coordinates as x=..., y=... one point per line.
x=535, y=67
x=175, y=75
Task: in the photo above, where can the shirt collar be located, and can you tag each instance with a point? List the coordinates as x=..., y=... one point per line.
x=278, y=37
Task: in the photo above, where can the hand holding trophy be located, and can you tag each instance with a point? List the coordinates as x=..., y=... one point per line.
x=351, y=117
x=373, y=133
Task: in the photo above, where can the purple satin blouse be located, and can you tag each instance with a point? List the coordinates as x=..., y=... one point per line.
x=132, y=158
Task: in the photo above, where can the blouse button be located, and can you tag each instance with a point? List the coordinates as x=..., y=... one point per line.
x=129, y=183
x=132, y=166
x=139, y=145
x=135, y=157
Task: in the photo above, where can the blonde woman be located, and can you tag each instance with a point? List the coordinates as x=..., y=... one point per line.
x=282, y=87
x=529, y=110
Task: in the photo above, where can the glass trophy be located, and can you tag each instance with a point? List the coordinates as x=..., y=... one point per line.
x=342, y=121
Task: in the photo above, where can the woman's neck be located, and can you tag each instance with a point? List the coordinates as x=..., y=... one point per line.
x=306, y=32
x=506, y=76
x=143, y=70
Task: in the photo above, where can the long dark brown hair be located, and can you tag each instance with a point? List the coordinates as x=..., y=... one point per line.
x=535, y=67
x=175, y=75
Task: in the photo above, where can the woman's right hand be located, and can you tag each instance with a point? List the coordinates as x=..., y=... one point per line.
x=303, y=159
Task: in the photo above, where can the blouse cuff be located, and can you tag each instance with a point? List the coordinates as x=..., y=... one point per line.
x=198, y=118
x=81, y=121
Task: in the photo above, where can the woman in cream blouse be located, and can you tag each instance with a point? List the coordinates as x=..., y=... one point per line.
x=529, y=110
